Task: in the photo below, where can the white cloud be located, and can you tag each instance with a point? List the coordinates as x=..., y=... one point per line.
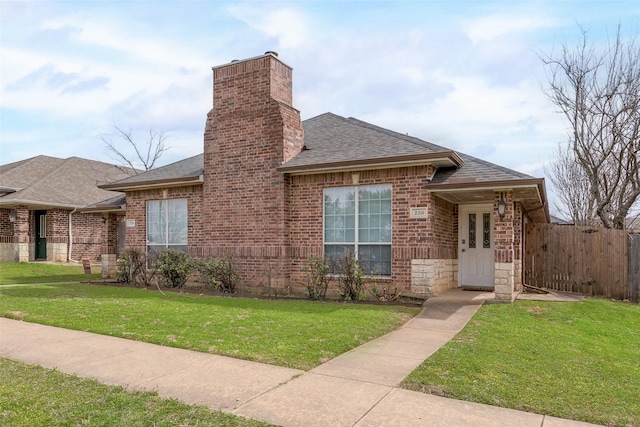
x=289, y=26
x=488, y=28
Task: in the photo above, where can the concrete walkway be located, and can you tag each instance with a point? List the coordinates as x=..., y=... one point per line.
x=357, y=388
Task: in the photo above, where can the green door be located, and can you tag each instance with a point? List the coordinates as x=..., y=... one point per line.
x=41, y=235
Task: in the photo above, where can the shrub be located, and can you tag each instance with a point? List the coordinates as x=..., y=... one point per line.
x=387, y=292
x=173, y=267
x=318, y=278
x=219, y=275
x=132, y=269
x=351, y=277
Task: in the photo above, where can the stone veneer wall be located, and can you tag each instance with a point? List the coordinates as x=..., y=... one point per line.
x=7, y=247
x=508, y=254
x=433, y=276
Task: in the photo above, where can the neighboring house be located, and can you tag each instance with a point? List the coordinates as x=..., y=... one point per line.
x=272, y=190
x=40, y=200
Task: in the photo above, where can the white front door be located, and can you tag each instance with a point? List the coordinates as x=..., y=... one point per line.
x=475, y=246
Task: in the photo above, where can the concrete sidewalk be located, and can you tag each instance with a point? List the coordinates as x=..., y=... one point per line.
x=357, y=388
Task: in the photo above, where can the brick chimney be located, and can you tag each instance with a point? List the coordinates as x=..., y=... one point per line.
x=251, y=130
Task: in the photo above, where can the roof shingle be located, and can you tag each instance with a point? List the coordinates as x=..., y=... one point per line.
x=53, y=181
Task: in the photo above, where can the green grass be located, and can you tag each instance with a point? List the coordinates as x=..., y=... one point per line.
x=296, y=334
x=570, y=360
x=34, y=396
x=35, y=272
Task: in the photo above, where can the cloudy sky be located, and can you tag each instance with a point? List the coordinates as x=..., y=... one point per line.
x=463, y=74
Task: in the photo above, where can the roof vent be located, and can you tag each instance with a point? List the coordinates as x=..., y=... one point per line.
x=271, y=52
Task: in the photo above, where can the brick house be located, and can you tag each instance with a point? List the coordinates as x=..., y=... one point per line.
x=40, y=209
x=273, y=190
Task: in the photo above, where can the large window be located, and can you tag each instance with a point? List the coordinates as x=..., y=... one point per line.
x=358, y=220
x=166, y=225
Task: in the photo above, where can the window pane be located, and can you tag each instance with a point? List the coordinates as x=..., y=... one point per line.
x=486, y=230
x=152, y=253
x=335, y=253
x=375, y=259
x=43, y=226
x=156, y=222
x=177, y=221
x=374, y=214
x=349, y=235
x=339, y=218
x=472, y=230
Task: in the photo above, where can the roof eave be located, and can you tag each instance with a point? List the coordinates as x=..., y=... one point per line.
x=104, y=209
x=38, y=204
x=497, y=184
x=504, y=185
x=440, y=159
x=151, y=184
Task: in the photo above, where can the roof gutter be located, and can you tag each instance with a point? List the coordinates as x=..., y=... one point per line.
x=443, y=158
x=104, y=209
x=37, y=203
x=158, y=183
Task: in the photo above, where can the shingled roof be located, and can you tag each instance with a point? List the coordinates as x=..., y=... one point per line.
x=332, y=142
x=183, y=172
x=51, y=181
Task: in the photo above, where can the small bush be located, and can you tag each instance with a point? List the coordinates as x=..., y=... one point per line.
x=318, y=278
x=219, y=275
x=387, y=293
x=132, y=269
x=351, y=277
x=173, y=268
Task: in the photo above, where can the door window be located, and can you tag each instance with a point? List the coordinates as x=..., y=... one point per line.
x=42, y=232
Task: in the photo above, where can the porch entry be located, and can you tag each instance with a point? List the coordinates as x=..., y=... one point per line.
x=41, y=235
x=475, y=246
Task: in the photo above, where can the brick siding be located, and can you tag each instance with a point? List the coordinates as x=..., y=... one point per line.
x=430, y=238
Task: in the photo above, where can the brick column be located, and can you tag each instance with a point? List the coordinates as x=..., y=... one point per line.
x=504, y=248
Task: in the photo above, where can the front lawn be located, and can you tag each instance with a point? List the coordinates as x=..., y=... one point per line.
x=295, y=334
x=38, y=272
x=34, y=396
x=570, y=360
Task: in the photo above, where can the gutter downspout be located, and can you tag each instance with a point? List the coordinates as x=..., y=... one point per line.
x=70, y=247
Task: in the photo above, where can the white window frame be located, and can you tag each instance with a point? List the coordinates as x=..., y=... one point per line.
x=356, y=242
x=182, y=245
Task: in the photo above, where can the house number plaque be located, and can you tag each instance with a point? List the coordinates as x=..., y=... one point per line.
x=418, y=213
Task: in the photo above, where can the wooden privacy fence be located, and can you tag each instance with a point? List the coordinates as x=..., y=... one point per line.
x=589, y=260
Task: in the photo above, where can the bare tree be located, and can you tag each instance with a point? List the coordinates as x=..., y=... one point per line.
x=135, y=155
x=598, y=91
x=572, y=187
